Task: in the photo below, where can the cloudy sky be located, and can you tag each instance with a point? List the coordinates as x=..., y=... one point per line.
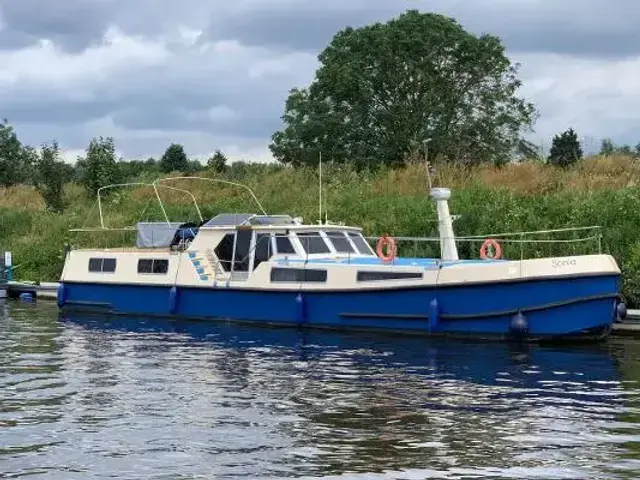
x=214, y=74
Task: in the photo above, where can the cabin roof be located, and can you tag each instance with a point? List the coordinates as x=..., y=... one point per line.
x=235, y=219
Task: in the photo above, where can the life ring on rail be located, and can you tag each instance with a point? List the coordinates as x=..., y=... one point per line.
x=390, y=243
x=484, y=249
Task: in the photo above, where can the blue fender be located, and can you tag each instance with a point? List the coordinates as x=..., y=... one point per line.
x=173, y=299
x=301, y=309
x=62, y=295
x=434, y=315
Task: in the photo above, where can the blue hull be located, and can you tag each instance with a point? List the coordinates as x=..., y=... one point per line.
x=551, y=308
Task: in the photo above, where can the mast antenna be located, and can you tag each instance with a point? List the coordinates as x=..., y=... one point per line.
x=320, y=188
x=426, y=161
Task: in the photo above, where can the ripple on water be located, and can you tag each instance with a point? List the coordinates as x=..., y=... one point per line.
x=135, y=398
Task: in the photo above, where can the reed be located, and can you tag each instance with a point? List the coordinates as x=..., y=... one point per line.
x=527, y=196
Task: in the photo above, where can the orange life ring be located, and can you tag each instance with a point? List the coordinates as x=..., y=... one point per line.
x=490, y=242
x=391, y=248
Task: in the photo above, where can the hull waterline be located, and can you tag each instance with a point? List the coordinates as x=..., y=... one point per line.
x=534, y=310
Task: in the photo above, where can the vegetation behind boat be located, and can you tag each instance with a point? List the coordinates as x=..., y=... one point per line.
x=519, y=197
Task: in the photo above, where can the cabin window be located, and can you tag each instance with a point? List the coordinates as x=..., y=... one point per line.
x=312, y=242
x=298, y=275
x=340, y=242
x=361, y=244
x=153, y=265
x=242, y=250
x=370, y=276
x=102, y=265
x=283, y=244
x=224, y=251
x=263, y=249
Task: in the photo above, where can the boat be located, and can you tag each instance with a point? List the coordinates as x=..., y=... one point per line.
x=277, y=270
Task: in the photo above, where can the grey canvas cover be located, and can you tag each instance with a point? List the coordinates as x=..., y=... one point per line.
x=155, y=234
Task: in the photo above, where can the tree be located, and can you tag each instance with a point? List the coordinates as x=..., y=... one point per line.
x=174, y=159
x=16, y=164
x=50, y=177
x=383, y=89
x=217, y=162
x=565, y=149
x=607, y=147
x=100, y=165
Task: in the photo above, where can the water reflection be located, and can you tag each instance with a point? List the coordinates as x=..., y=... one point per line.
x=142, y=398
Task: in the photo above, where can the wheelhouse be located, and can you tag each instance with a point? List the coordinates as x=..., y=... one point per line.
x=240, y=243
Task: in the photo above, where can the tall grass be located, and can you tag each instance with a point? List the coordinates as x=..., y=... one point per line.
x=528, y=196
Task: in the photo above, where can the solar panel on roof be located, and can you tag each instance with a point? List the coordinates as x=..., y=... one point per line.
x=272, y=220
x=228, y=219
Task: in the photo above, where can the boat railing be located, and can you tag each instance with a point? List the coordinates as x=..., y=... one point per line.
x=513, y=243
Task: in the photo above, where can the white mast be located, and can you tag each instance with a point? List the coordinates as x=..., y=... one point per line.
x=448, y=248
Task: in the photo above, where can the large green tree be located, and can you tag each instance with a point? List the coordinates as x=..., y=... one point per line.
x=383, y=89
x=174, y=159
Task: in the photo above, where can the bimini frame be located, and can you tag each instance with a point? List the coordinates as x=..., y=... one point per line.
x=215, y=180
x=159, y=184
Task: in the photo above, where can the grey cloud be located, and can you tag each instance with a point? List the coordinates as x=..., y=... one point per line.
x=174, y=98
x=301, y=25
x=578, y=27
x=585, y=27
x=72, y=24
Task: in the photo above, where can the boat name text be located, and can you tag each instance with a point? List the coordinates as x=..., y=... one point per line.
x=564, y=263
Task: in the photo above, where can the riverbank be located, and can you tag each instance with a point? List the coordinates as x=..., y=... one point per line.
x=522, y=197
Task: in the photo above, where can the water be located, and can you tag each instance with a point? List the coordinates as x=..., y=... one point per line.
x=86, y=398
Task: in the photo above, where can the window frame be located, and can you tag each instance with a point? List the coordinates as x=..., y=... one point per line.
x=255, y=241
x=352, y=234
x=152, y=266
x=345, y=237
x=320, y=235
x=390, y=276
x=102, y=259
x=305, y=274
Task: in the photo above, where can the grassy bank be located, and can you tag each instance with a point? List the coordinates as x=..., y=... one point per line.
x=528, y=196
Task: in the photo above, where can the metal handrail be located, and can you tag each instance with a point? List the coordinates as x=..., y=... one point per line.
x=504, y=240
x=216, y=180
x=155, y=189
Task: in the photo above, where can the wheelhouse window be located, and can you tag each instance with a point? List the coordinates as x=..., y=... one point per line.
x=263, y=250
x=283, y=244
x=298, y=275
x=224, y=251
x=361, y=244
x=102, y=265
x=242, y=250
x=158, y=266
x=340, y=242
x=312, y=242
x=364, y=276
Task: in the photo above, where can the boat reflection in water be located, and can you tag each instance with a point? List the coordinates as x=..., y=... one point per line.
x=322, y=403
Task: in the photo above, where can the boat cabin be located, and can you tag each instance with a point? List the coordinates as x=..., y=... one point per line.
x=234, y=245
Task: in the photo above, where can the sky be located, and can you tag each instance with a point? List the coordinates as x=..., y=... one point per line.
x=214, y=74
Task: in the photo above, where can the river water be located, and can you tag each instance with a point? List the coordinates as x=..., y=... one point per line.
x=99, y=397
